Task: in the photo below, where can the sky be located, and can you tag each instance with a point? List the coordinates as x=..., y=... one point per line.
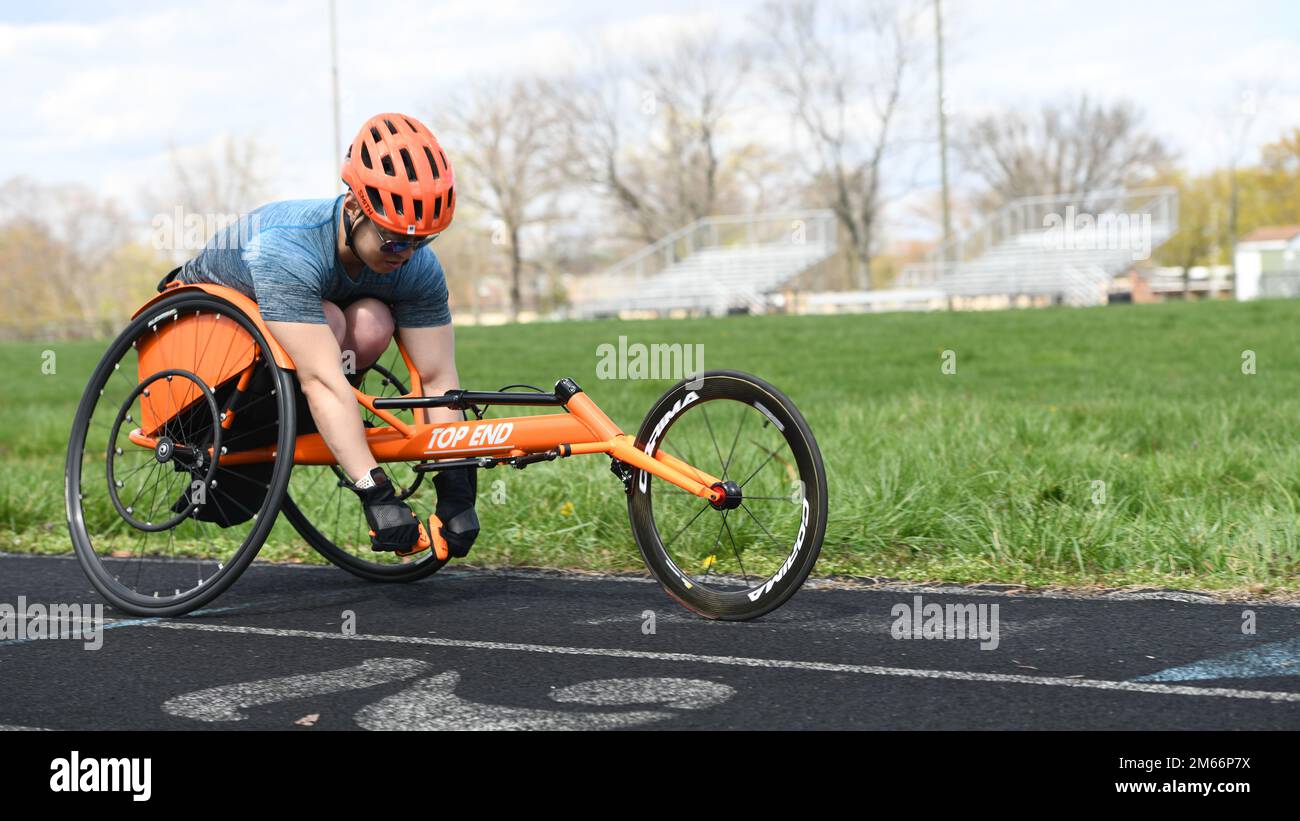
x=100, y=92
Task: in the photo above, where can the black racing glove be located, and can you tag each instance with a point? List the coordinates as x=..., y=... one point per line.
x=457, y=489
x=393, y=525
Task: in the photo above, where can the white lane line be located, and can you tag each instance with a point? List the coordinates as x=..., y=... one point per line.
x=856, y=623
x=743, y=661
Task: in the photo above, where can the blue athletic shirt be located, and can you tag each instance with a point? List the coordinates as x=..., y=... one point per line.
x=284, y=256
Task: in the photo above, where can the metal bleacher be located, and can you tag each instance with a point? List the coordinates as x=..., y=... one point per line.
x=1065, y=248
x=716, y=265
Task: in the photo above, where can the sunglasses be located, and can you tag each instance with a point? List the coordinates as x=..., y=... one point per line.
x=400, y=243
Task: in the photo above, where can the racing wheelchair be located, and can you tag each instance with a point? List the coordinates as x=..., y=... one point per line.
x=192, y=438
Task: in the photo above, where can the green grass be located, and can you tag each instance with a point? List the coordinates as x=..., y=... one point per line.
x=987, y=475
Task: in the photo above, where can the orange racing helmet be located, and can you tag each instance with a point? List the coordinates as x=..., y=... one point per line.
x=401, y=176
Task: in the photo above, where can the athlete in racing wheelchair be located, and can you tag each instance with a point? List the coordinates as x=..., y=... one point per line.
x=334, y=279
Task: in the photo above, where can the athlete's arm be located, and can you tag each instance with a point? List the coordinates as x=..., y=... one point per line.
x=316, y=355
x=433, y=353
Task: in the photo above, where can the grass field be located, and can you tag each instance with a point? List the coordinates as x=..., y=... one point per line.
x=1112, y=446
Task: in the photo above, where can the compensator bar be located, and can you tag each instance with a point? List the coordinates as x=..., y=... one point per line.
x=463, y=400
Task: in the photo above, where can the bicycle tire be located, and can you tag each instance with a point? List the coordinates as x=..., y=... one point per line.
x=736, y=600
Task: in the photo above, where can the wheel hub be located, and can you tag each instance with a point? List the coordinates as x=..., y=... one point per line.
x=165, y=449
x=731, y=495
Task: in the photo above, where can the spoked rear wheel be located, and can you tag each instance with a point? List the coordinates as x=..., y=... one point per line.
x=748, y=557
x=328, y=515
x=159, y=525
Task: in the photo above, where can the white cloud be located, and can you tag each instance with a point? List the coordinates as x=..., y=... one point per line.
x=18, y=41
x=103, y=102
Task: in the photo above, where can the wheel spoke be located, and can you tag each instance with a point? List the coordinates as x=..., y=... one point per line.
x=771, y=454
x=761, y=525
x=731, y=453
x=721, y=462
x=736, y=550
x=139, y=561
x=141, y=491
x=713, y=548
x=143, y=464
x=236, y=503
x=688, y=524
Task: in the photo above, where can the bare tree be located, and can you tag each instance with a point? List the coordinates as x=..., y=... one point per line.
x=698, y=84
x=66, y=255
x=1075, y=147
x=504, y=149
x=466, y=252
x=841, y=70
x=210, y=187
x=650, y=135
x=226, y=180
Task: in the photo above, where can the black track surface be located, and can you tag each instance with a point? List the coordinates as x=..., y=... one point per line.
x=492, y=649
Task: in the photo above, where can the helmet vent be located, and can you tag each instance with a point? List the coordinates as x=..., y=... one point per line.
x=410, y=166
x=450, y=193
x=374, y=133
x=392, y=129
x=437, y=207
x=387, y=160
x=365, y=156
x=414, y=130
x=397, y=205
x=375, y=201
x=432, y=163
x=419, y=209
x=444, y=159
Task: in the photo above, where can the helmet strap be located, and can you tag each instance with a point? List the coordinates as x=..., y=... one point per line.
x=347, y=231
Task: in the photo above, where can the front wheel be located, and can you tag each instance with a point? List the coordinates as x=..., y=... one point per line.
x=746, y=559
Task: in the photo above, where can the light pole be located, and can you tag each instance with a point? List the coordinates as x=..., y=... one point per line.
x=943, y=130
x=334, y=79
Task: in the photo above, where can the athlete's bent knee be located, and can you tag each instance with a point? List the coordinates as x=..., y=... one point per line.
x=370, y=328
x=335, y=319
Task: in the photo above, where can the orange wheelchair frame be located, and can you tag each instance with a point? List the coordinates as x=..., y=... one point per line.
x=515, y=441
